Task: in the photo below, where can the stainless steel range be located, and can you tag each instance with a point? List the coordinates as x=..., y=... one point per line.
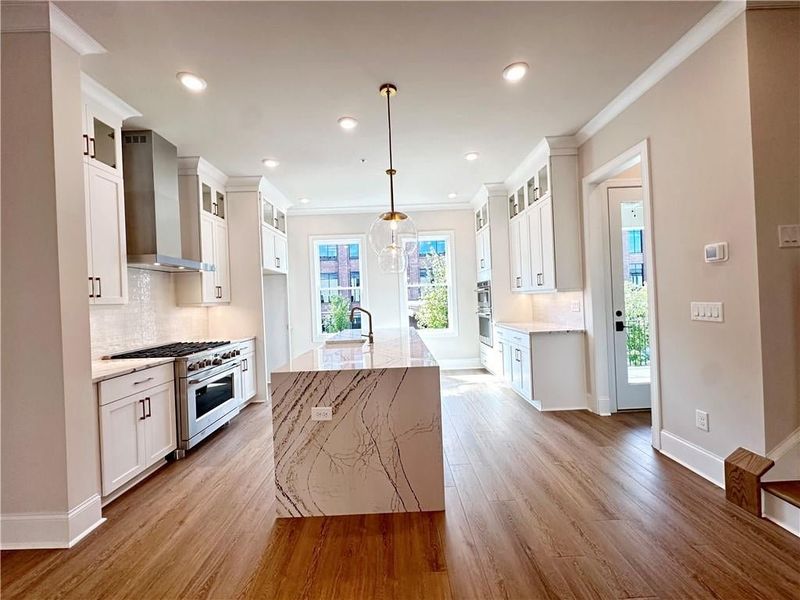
x=208, y=382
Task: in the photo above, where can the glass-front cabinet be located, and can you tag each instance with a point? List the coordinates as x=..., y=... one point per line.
x=272, y=216
x=543, y=178
x=213, y=200
x=482, y=217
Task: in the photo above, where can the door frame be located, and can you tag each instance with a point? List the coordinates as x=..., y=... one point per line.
x=597, y=292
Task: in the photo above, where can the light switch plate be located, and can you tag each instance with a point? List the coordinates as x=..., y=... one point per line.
x=321, y=413
x=789, y=236
x=701, y=419
x=707, y=311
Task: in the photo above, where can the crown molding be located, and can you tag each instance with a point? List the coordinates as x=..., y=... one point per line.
x=46, y=17
x=485, y=192
x=560, y=145
x=376, y=209
x=244, y=184
x=706, y=28
x=104, y=97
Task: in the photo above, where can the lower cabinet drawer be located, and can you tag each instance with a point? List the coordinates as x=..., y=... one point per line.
x=111, y=390
x=514, y=337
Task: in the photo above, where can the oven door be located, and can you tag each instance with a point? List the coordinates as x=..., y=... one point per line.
x=210, y=397
x=484, y=298
x=485, y=328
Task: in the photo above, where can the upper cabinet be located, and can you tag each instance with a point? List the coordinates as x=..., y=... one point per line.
x=544, y=220
x=274, y=243
x=201, y=188
x=483, y=248
x=102, y=116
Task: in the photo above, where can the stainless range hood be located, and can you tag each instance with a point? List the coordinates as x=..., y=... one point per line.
x=152, y=208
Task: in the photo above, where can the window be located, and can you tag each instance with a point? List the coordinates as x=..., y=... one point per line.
x=636, y=273
x=328, y=252
x=338, y=279
x=635, y=241
x=429, y=299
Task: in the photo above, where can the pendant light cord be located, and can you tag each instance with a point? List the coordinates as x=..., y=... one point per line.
x=391, y=166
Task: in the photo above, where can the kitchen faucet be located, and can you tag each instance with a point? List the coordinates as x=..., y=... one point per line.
x=369, y=314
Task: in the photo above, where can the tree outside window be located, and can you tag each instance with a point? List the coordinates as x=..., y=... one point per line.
x=428, y=285
x=338, y=284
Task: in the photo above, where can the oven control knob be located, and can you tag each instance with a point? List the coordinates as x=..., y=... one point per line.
x=227, y=355
x=217, y=361
x=237, y=352
x=191, y=367
x=207, y=362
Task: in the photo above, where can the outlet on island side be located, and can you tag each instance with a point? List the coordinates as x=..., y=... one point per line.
x=701, y=419
x=321, y=413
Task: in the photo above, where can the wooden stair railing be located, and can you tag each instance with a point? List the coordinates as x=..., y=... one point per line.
x=743, y=472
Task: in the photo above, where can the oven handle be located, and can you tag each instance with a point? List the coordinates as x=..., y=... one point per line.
x=223, y=369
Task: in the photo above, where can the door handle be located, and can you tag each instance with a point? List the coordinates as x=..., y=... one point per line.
x=149, y=408
x=85, y=145
x=144, y=416
x=92, y=154
x=619, y=325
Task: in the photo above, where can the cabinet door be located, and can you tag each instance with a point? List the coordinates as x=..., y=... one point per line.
x=267, y=248
x=122, y=441
x=281, y=254
x=480, y=253
x=548, y=245
x=248, y=376
x=108, y=249
x=508, y=362
x=486, y=253
x=160, y=425
x=534, y=249
x=524, y=384
x=103, y=142
x=221, y=260
x=515, y=249
x=207, y=250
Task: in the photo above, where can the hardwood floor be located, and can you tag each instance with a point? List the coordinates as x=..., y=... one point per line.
x=539, y=505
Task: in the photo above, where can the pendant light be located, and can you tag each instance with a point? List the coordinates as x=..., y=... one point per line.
x=393, y=234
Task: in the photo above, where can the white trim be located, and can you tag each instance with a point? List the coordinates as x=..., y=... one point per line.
x=46, y=17
x=693, y=457
x=780, y=512
x=706, y=28
x=94, y=91
x=565, y=145
x=595, y=301
x=298, y=210
x=485, y=192
x=21, y=531
x=459, y=364
x=197, y=165
x=313, y=240
x=781, y=449
x=603, y=406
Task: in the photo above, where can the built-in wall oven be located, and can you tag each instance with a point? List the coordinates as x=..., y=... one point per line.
x=484, y=292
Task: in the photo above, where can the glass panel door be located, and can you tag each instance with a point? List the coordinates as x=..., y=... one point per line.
x=207, y=202
x=220, y=204
x=104, y=146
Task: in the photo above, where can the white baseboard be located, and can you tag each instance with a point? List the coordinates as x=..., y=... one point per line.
x=604, y=406
x=693, y=457
x=22, y=531
x=455, y=364
x=781, y=513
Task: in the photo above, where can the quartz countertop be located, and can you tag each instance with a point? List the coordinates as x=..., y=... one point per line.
x=393, y=349
x=108, y=369
x=534, y=327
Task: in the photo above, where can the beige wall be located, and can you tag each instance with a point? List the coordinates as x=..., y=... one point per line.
x=697, y=120
x=773, y=44
x=383, y=289
x=150, y=317
x=49, y=417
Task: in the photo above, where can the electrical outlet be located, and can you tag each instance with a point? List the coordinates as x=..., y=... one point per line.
x=701, y=419
x=575, y=306
x=788, y=236
x=321, y=413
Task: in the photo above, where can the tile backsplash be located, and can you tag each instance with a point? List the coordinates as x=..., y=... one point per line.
x=150, y=316
x=557, y=308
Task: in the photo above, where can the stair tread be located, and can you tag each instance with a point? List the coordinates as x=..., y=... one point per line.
x=785, y=490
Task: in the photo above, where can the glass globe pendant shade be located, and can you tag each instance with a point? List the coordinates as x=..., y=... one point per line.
x=393, y=236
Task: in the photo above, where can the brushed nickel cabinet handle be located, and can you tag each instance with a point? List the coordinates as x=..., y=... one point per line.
x=143, y=381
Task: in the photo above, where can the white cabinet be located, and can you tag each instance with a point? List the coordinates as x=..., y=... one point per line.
x=105, y=237
x=137, y=430
x=274, y=250
x=483, y=251
x=517, y=368
x=248, y=376
x=204, y=228
x=545, y=223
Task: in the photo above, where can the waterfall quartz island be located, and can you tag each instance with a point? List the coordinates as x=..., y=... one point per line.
x=382, y=450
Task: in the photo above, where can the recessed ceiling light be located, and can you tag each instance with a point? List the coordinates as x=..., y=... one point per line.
x=452, y=195
x=304, y=200
x=515, y=71
x=270, y=162
x=347, y=122
x=471, y=156
x=192, y=82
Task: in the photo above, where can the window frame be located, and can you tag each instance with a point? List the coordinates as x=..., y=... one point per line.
x=452, y=296
x=314, y=241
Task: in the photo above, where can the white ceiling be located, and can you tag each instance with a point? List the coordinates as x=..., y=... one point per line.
x=281, y=73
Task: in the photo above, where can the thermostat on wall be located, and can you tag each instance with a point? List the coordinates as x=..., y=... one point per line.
x=716, y=252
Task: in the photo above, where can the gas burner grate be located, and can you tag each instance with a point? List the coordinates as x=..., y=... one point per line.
x=171, y=350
